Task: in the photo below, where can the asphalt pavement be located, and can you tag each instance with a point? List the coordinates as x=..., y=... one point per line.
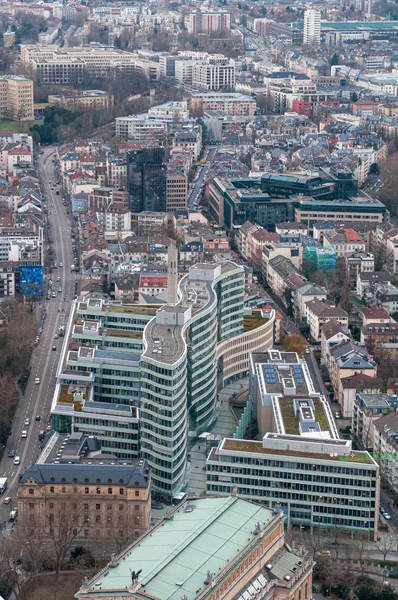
x=37, y=398
x=195, y=192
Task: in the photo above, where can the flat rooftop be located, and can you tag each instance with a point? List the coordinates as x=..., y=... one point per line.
x=174, y=557
x=166, y=343
x=247, y=446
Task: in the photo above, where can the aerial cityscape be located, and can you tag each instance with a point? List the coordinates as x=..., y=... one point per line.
x=198, y=300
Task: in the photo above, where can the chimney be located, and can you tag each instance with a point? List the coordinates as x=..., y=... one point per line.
x=172, y=268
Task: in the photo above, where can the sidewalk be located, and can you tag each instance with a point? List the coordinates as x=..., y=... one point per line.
x=225, y=426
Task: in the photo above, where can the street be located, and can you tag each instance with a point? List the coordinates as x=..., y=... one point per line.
x=37, y=398
x=196, y=190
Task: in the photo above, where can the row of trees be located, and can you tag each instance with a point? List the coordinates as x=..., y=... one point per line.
x=51, y=546
x=16, y=343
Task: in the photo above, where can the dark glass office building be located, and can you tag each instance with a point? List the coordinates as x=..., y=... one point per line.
x=146, y=179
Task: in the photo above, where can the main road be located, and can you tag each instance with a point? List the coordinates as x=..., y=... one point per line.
x=36, y=401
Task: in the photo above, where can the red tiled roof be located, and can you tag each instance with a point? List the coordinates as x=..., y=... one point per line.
x=352, y=236
x=19, y=151
x=376, y=312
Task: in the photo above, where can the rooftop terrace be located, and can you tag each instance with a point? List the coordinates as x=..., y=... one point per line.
x=233, y=445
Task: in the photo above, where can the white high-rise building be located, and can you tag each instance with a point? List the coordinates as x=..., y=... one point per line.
x=312, y=27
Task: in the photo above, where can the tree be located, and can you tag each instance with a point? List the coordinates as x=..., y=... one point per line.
x=294, y=343
x=334, y=60
x=385, y=545
x=389, y=183
x=288, y=301
x=354, y=97
x=66, y=525
x=374, y=169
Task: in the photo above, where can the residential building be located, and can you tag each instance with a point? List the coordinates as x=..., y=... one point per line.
x=215, y=74
x=204, y=22
x=231, y=103
x=74, y=485
x=279, y=268
x=344, y=241
x=374, y=335
x=332, y=334
x=386, y=447
x=368, y=407
x=142, y=129
x=87, y=100
x=347, y=360
x=16, y=98
x=146, y=179
x=318, y=312
x=303, y=293
x=261, y=562
x=299, y=441
x=368, y=281
x=312, y=27
x=375, y=314
x=358, y=262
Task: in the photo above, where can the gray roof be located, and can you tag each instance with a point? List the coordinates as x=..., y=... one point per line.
x=130, y=475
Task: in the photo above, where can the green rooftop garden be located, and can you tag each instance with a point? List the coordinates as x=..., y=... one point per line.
x=253, y=321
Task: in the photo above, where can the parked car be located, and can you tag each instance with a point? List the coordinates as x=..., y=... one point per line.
x=7, y=500
x=337, y=415
x=17, y=460
x=37, y=380
x=24, y=434
x=11, y=454
x=27, y=422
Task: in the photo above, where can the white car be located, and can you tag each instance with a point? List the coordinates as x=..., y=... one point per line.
x=61, y=264
x=17, y=460
x=37, y=380
x=24, y=434
x=386, y=516
x=27, y=422
x=337, y=415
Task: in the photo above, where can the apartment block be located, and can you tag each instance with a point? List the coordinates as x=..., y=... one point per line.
x=16, y=98
x=232, y=103
x=300, y=466
x=200, y=22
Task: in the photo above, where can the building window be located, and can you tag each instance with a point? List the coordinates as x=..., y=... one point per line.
x=51, y=490
x=137, y=507
x=97, y=518
x=86, y=490
x=31, y=491
x=98, y=490
x=121, y=491
x=137, y=493
x=98, y=507
x=31, y=505
x=63, y=489
x=110, y=491
x=121, y=507
x=51, y=505
x=85, y=506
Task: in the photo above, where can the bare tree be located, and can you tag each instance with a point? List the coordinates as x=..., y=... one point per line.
x=385, y=545
x=362, y=553
x=64, y=526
